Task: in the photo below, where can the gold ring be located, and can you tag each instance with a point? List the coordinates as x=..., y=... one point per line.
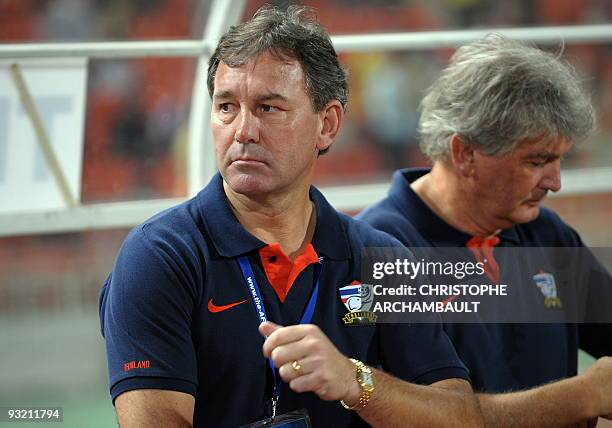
x=296, y=366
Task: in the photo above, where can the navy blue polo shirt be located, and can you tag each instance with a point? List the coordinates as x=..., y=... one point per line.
x=500, y=357
x=176, y=313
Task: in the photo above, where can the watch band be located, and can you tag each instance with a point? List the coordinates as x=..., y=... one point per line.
x=365, y=379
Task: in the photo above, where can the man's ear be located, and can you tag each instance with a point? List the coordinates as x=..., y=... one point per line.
x=330, y=123
x=462, y=156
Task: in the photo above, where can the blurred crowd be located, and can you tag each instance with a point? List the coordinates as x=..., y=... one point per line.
x=137, y=110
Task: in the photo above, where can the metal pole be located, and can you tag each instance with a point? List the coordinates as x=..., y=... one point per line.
x=137, y=49
x=201, y=164
x=443, y=39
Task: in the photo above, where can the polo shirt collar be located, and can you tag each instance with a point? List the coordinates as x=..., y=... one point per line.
x=429, y=224
x=231, y=239
x=225, y=231
x=330, y=237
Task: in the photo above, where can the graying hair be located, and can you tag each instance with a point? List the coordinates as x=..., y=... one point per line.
x=291, y=34
x=497, y=92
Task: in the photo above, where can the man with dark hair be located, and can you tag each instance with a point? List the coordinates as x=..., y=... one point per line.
x=496, y=124
x=187, y=304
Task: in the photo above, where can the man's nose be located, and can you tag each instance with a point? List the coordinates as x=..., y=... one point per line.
x=552, y=176
x=247, y=130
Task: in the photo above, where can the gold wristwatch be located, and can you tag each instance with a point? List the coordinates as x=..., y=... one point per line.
x=365, y=379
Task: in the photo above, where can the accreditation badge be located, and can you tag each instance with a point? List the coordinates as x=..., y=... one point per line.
x=295, y=419
x=547, y=285
x=357, y=298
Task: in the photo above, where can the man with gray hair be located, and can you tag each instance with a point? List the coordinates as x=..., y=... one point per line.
x=193, y=290
x=496, y=125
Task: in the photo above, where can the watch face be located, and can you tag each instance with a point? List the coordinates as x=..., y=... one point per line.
x=367, y=379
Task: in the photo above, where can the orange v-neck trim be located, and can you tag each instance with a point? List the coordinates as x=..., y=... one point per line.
x=281, y=271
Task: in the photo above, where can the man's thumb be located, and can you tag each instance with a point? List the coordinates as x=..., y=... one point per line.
x=267, y=328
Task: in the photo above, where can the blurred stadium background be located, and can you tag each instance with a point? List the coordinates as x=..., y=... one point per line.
x=145, y=146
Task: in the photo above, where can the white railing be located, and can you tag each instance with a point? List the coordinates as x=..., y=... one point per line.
x=344, y=43
x=346, y=198
x=113, y=50
x=445, y=39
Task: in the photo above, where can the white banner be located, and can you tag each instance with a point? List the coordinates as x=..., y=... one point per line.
x=58, y=89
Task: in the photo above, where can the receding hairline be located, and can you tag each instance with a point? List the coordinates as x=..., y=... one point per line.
x=267, y=94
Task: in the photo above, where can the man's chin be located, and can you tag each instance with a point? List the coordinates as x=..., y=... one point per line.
x=248, y=188
x=245, y=184
x=527, y=213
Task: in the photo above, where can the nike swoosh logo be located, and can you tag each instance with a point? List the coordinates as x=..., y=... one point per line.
x=214, y=308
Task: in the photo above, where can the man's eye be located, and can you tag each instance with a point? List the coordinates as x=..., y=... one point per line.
x=267, y=108
x=225, y=107
x=543, y=162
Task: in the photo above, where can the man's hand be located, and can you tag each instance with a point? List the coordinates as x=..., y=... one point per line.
x=332, y=376
x=599, y=377
x=321, y=368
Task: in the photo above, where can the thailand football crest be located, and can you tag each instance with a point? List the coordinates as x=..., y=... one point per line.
x=546, y=283
x=358, y=299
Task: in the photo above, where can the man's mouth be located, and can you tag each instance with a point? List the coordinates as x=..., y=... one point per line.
x=536, y=200
x=246, y=160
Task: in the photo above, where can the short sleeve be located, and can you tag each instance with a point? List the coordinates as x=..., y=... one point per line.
x=420, y=353
x=146, y=313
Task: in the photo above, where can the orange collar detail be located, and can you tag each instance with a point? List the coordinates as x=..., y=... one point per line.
x=482, y=248
x=483, y=242
x=281, y=271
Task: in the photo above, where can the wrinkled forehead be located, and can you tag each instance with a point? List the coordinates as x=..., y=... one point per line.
x=552, y=145
x=267, y=70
